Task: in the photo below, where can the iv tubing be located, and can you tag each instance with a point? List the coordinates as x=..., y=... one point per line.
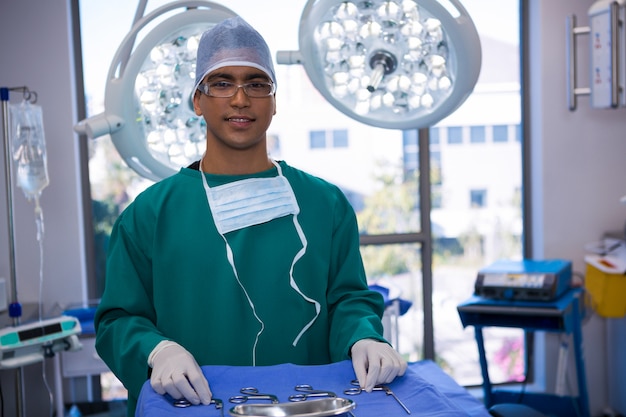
x=39, y=225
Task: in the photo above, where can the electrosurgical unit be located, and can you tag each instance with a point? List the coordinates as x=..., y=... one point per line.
x=30, y=343
x=528, y=280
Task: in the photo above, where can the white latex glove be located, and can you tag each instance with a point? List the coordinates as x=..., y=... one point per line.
x=376, y=362
x=176, y=372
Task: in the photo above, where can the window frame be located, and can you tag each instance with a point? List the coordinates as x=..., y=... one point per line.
x=423, y=237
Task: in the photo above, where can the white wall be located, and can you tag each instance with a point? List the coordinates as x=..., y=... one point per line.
x=578, y=171
x=35, y=47
x=36, y=51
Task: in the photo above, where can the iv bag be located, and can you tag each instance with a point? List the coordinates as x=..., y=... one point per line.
x=29, y=148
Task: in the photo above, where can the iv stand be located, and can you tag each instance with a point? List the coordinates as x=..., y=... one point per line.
x=15, y=308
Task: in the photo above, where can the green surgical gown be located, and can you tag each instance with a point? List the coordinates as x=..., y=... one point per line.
x=168, y=278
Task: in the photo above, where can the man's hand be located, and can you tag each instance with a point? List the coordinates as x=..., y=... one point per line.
x=376, y=363
x=176, y=372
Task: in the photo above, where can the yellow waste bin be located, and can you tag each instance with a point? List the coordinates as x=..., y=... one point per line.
x=605, y=280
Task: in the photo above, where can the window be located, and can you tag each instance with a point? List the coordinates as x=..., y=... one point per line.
x=436, y=180
x=434, y=135
x=379, y=171
x=500, y=133
x=340, y=138
x=478, y=198
x=317, y=139
x=410, y=153
x=320, y=139
x=477, y=134
x=455, y=135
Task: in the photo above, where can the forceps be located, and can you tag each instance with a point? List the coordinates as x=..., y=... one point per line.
x=308, y=392
x=356, y=390
x=251, y=393
x=184, y=403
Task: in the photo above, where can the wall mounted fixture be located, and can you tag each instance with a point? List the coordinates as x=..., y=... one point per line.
x=400, y=64
x=607, y=51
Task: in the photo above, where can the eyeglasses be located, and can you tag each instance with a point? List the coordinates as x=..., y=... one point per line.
x=224, y=89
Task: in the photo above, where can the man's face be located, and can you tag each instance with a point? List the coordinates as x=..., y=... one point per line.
x=240, y=121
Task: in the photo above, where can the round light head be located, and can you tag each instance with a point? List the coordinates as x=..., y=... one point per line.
x=394, y=64
x=150, y=92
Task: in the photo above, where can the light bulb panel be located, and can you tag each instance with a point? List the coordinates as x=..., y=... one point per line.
x=391, y=64
x=149, y=89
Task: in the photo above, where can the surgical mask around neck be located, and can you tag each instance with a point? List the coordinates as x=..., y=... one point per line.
x=250, y=202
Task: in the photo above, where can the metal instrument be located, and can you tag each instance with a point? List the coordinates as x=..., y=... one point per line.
x=322, y=407
x=184, y=403
x=356, y=390
x=307, y=391
x=251, y=393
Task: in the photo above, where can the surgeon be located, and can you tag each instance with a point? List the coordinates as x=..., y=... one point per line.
x=237, y=259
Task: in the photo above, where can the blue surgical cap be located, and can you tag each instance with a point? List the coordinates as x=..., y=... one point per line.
x=232, y=42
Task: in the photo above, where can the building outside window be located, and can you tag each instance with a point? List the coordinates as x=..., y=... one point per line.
x=500, y=133
x=455, y=135
x=477, y=134
x=340, y=138
x=336, y=138
x=317, y=139
x=518, y=133
x=378, y=169
x=433, y=135
x=478, y=198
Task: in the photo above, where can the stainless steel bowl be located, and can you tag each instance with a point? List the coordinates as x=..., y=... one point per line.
x=311, y=408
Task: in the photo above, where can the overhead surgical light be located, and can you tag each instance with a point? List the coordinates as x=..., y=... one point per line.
x=393, y=64
x=148, y=108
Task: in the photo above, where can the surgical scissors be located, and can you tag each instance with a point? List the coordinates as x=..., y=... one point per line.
x=251, y=393
x=308, y=392
x=184, y=403
x=356, y=390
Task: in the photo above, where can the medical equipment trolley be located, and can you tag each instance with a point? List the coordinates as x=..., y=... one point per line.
x=562, y=315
